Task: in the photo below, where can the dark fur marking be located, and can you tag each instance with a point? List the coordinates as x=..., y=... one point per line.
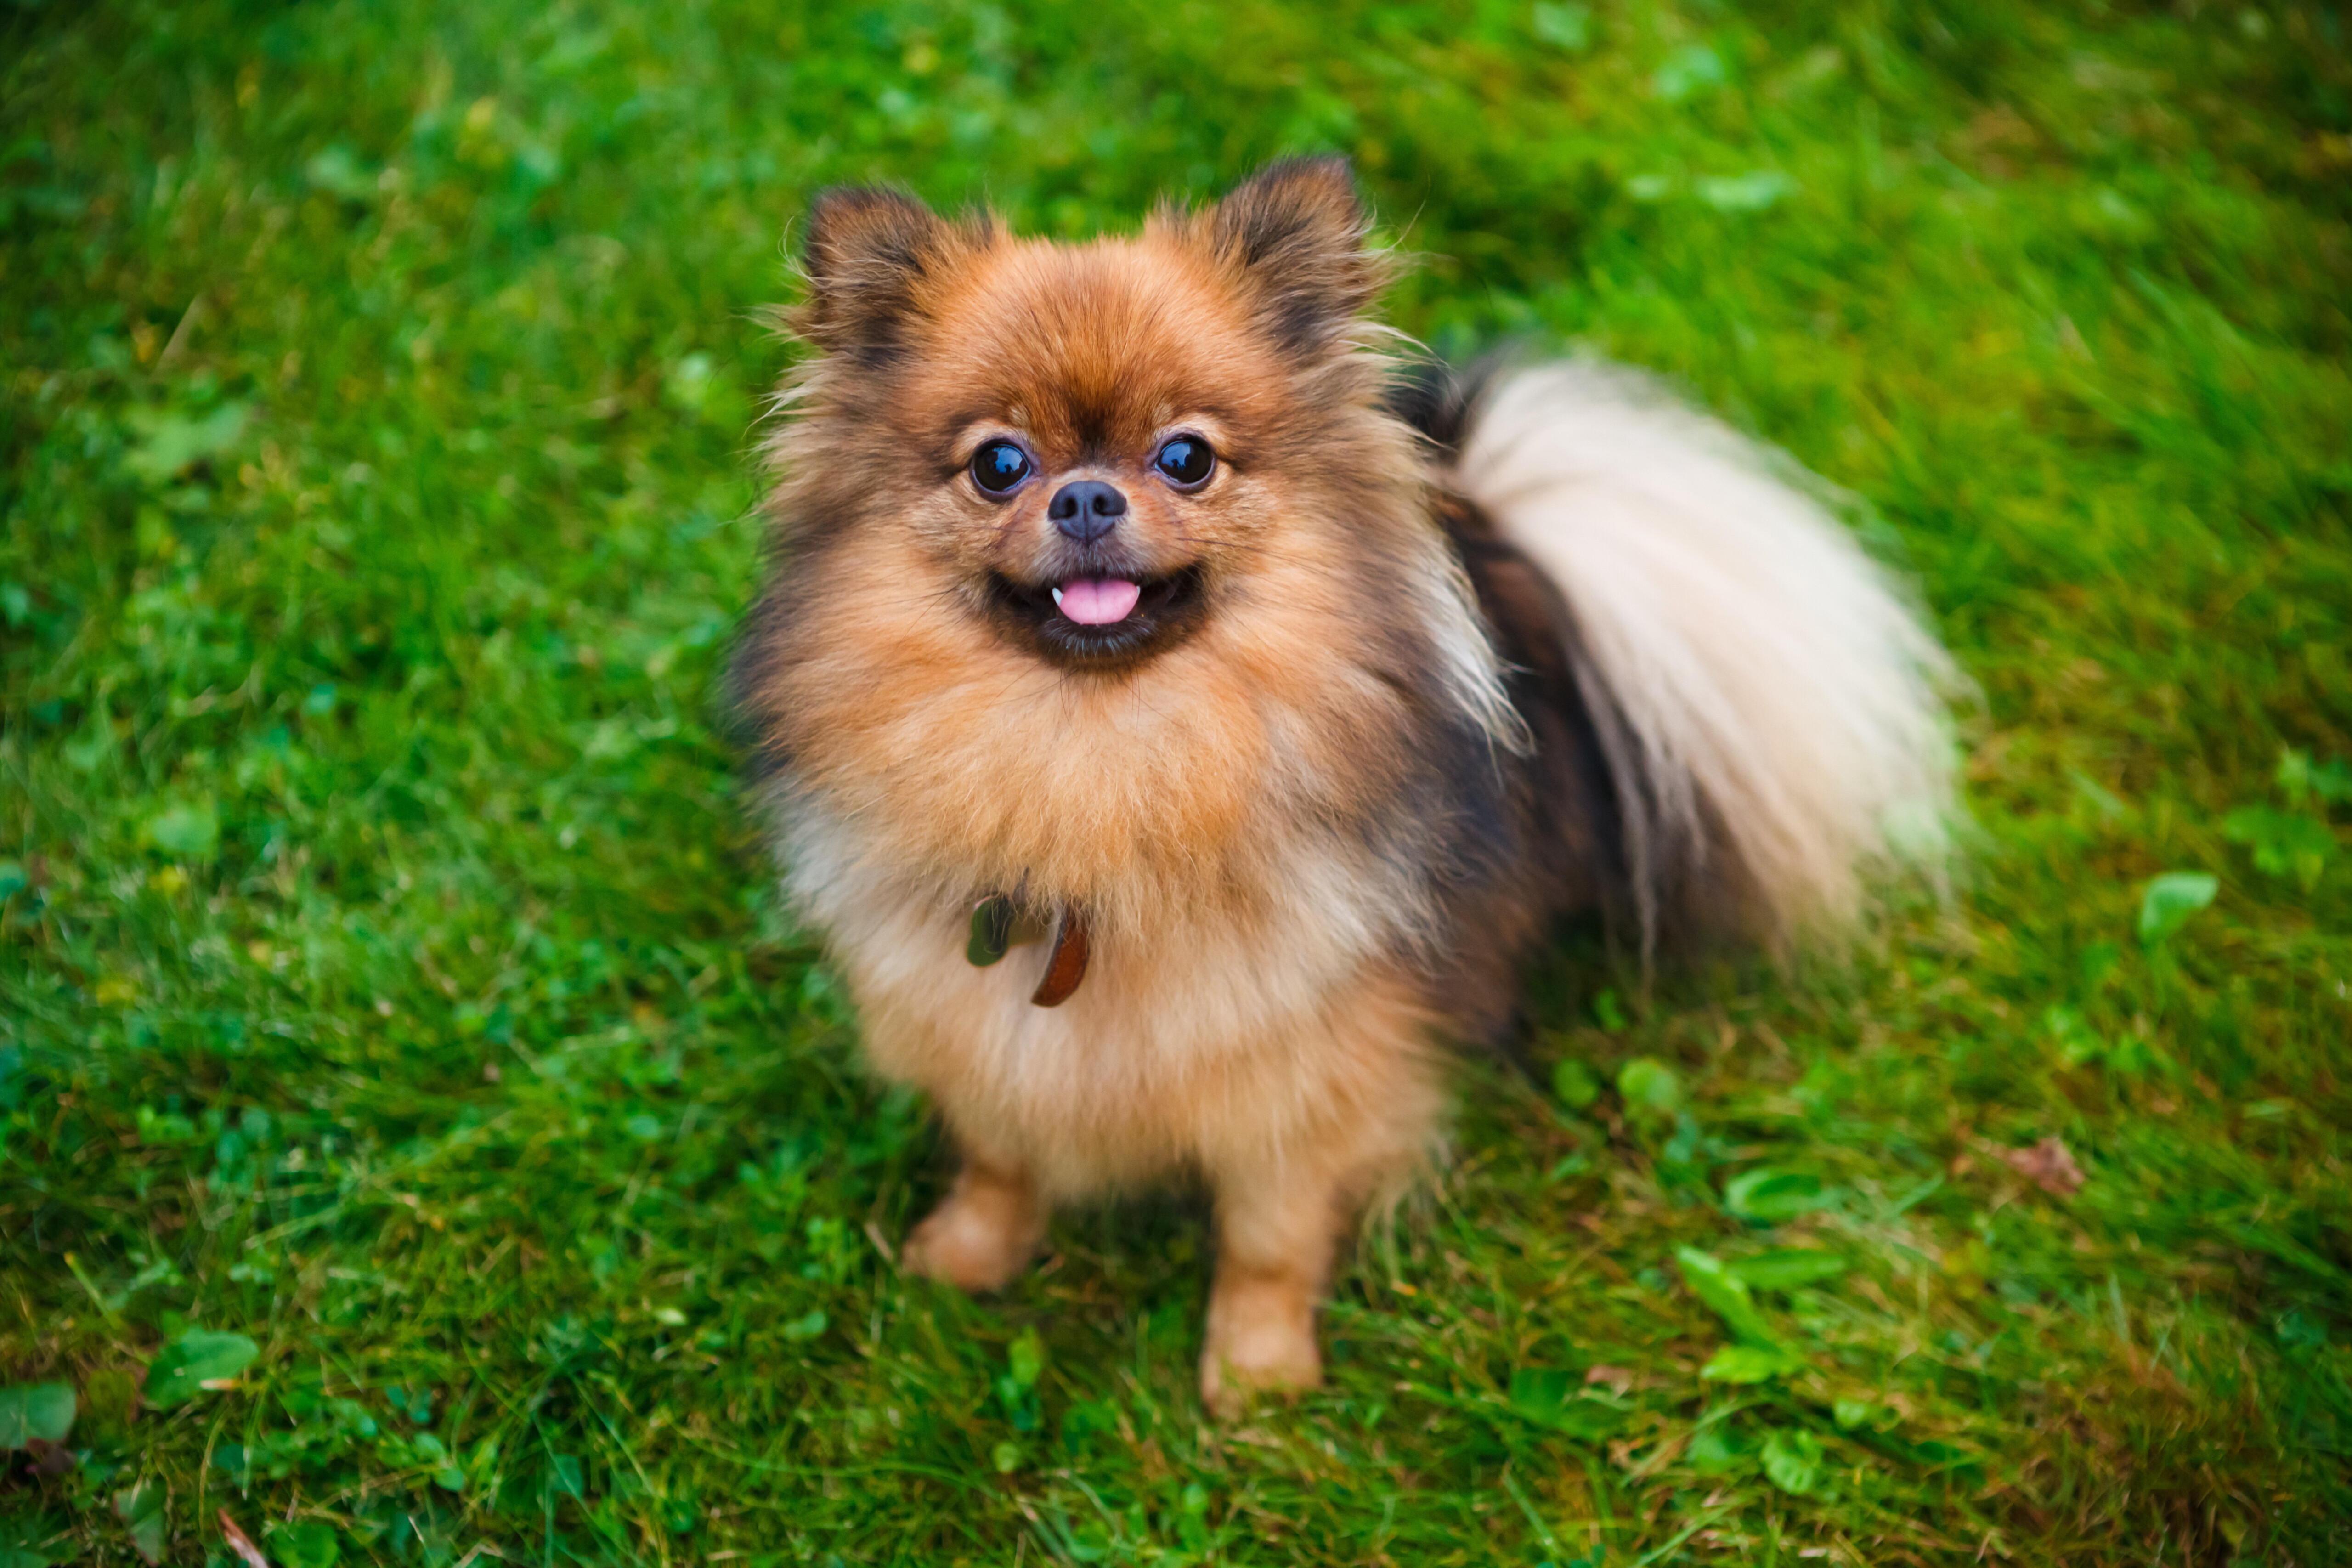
x=1441, y=401
x=868, y=249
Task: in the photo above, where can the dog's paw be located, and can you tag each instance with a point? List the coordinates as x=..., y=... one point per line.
x=979, y=1238
x=1261, y=1339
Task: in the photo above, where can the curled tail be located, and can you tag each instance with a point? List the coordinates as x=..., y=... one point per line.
x=1769, y=702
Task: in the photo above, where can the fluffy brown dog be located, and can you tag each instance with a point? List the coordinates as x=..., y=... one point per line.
x=1129, y=599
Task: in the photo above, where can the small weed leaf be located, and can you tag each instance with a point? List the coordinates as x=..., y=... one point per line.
x=20, y=1543
x=1552, y=1397
x=1717, y=1450
x=1574, y=1083
x=1769, y=1196
x=1566, y=27
x=1725, y=1294
x=1608, y=1013
x=1192, y=1517
x=184, y=831
x=1747, y=193
x=1017, y=1386
x=1026, y=1359
x=1793, y=1461
x=1650, y=1088
x=2296, y=1330
x=2076, y=1044
x=1085, y=1420
x=425, y=1452
x=1744, y=1364
x=2300, y=779
x=1089, y=1542
x=337, y=172
x=2283, y=843
x=1538, y=1389
x=169, y=443
x=307, y=1544
x=694, y=385
x=1690, y=70
x=140, y=1510
x=1852, y=1414
x=40, y=1410
x=1020, y=1409
x=1788, y=1267
x=1756, y=1356
x=808, y=1326
x=688, y=386
x=1005, y=1457
x=195, y=1362
x=2170, y=900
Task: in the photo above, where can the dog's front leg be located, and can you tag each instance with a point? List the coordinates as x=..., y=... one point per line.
x=1276, y=1227
x=983, y=1232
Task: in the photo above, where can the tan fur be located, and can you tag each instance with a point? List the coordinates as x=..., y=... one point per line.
x=1290, y=828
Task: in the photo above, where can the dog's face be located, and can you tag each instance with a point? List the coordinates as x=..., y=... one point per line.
x=1084, y=419
x=1105, y=563
x=1093, y=450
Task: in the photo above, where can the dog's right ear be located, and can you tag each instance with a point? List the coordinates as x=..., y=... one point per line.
x=869, y=251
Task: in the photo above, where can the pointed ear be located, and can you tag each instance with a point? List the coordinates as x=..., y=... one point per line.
x=867, y=252
x=1295, y=232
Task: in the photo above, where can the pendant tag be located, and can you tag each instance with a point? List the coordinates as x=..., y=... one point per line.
x=1067, y=965
x=997, y=928
x=992, y=931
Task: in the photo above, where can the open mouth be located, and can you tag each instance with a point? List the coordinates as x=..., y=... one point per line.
x=1101, y=619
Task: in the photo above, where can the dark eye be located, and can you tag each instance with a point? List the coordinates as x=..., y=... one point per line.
x=998, y=467
x=1187, y=461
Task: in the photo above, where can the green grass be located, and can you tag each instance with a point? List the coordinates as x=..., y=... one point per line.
x=388, y=974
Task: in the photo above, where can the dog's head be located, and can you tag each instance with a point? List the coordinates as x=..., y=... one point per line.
x=1090, y=451
x=1106, y=574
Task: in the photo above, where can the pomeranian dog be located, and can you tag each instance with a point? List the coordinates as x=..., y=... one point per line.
x=1181, y=715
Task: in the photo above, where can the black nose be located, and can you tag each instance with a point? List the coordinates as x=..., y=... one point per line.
x=1086, y=510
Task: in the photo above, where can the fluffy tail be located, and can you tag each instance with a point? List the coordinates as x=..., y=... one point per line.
x=1769, y=701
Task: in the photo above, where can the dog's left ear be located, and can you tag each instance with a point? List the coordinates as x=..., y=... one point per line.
x=1295, y=231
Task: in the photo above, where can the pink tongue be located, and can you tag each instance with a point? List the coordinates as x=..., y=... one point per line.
x=1097, y=601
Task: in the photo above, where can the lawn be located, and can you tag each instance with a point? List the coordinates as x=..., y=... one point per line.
x=425, y=1139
